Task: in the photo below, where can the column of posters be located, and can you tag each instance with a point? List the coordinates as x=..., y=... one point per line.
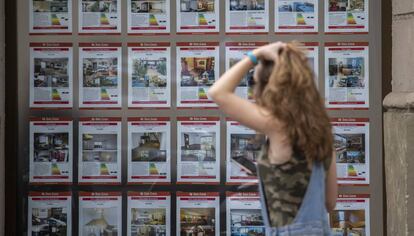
x=149, y=75
x=51, y=150
x=50, y=16
x=292, y=16
x=100, y=213
x=149, y=145
x=198, y=16
x=351, y=215
x=100, y=81
x=313, y=57
x=247, y=16
x=149, y=17
x=99, y=150
x=149, y=213
x=242, y=152
x=235, y=52
x=51, y=75
x=101, y=17
x=198, y=213
x=347, y=75
x=198, y=150
x=244, y=214
x=197, y=70
x=49, y=213
x=351, y=140
x=346, y=16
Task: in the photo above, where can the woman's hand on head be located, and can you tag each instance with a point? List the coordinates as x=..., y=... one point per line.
x=269, y=52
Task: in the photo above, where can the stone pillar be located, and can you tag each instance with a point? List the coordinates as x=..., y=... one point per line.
x=399, y=123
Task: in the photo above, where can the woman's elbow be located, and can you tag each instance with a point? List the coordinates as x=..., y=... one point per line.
x=330, y=205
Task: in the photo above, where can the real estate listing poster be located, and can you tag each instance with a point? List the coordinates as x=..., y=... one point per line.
x=198, y=16
x=351, y=140
x=149, y=75
x=149, y=145
x=100, y=213
x=197, y=70
x=50, y=16
x=292, y=16
x=198, y=150
x=244, y=214
x=247, y=16
x=51, y=75
x=100, y=16
x=100, y=76
x=347, y=75
x=312, y=49
x=49, y=213
x=346, y=16
x=351, y=215
x=235, y=52
x=51, y=150
x=242, y=152
x=149, y=213
x=198, y=213
x=99, y=150
x=149, y=17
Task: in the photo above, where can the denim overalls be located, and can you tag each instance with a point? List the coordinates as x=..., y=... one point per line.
x=312, y=217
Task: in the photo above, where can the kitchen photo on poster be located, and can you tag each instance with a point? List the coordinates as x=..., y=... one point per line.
x=197, y=70
x=351, y=140
x=244, y=214
x=99, y=150
x=99, y=16
x=247, y=16
x=149, y=75
x=49, y=213
x=235, y=52
x=242, y=151
x=100, y=213
x=346, y=16
x=347, y=75
x=198, y=150
x=312, y=52
x=351, y=215
x=149, y=17
x=198, y=213
x=50, y=16
x=198, y=16
x=51, y=150
x=100, y=75
x=296, y=16
x=149, y=145
x=51, y=75
x=149, y=213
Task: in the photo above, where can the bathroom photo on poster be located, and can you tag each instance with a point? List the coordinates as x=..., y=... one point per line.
x=148, y=16
x=293, y=16
x=198, y=16
x=99, y=16
x=50, y=16
x=247, y=16
x=346, y=16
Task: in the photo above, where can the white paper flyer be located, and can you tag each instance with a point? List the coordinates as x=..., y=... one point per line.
x=247, y=16
x=292, y=16
x=50, y=16
x=312, y=49
x=99, y=150
x=198, y=16
x=346, y=16
x=198, y=150
x=149, y=75
x=149, y=17
x=51, y=75
x=149, y=213
x=51, y=150
x=149, y=145
x=99, y=17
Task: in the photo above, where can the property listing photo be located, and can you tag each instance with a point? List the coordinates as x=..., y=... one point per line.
x=149, y=73
x=148, y=6
x=100, y=221
x=197, y=6
x=197, y=71
x=348, y=222
x=347, y=5
x=198, y=147
x=247, y=5
x=103, y=6
x=149, y=147
x=246, y=222
x=244, y=151
x=350, y=148
x=148, y=221
x=347, y=72
x=51, y=72
x=101, y=148
x=198, y=221
x=60, y=6
x=49, y=221
x=100, y=72
x=299, y=6
x=51, y=147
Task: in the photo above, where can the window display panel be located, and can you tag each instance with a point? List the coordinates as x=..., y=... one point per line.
x=149, y=75
x=247, y=16
x=293, y=16
x=198, y=213
x=198, y=16
x=198, y=150
x=346, y=16
x=149, y=145
x=149, y=17
x=149, y=213
x=100, y=213
x=51, y=75
x=99, y=150
x=99, y=16
x=51, y=150
x=50, y=16
x=49, y=213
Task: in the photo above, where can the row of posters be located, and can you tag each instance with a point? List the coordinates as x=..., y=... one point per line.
x=198, y=16
x=197, y=68
x=149, y=213
x=149, y=151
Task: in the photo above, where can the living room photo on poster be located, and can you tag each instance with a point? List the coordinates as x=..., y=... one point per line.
x=292, y=16
x=346, y=16
x=50, y=16
x=99, y=17
x=198, y=16
x=149, y=17
x=247, y=16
